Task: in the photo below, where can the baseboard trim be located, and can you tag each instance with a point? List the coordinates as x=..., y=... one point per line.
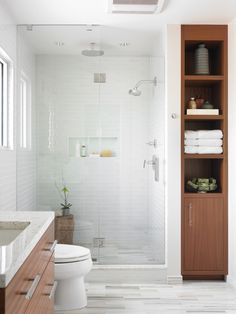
x=231, y=281
x=174, y=280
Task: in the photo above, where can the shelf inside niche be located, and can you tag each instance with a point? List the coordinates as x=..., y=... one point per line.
x=208, y=90
x=196, y=125
x=94, y=145
x=204, y=168
x=203, y=117
x=215, y=50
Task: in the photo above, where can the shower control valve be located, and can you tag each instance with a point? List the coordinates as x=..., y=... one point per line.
x=148, y=162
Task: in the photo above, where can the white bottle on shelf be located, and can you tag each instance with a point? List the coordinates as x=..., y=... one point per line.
x=83, y=150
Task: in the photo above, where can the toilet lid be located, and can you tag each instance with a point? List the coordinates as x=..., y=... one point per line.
x=66, y=253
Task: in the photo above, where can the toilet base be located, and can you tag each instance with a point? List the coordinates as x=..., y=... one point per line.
x=70, y=294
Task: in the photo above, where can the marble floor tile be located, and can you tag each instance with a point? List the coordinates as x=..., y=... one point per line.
x=189, y=297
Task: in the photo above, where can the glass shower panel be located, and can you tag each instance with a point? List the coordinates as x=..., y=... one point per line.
x=131, y=209
x=67, y=108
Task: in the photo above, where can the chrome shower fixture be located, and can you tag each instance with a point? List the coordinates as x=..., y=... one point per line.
x=136, y=92
x=92, y=52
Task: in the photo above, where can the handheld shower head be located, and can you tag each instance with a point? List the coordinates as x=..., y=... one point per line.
x=136, y=92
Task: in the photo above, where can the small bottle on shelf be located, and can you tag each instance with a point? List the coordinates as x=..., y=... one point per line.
x=83, y=151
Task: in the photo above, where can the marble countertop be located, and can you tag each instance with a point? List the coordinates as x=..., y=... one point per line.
x=13, y=255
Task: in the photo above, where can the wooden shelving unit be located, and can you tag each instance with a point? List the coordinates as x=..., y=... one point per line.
x=204, y=216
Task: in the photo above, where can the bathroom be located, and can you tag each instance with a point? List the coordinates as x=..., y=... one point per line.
x=92, y=154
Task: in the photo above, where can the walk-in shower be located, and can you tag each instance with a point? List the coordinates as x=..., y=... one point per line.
x=136, y=92
x=92, y=136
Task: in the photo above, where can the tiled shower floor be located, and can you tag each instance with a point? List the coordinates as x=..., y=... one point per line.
x=112, y=255
x=190, y=297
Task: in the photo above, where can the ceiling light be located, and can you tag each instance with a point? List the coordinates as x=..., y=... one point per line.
x=59, y=43
x=124, y=44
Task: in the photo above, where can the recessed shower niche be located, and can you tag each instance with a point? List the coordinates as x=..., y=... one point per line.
x=94, y=147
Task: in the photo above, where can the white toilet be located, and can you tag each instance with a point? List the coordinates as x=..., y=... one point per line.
x=72, y=264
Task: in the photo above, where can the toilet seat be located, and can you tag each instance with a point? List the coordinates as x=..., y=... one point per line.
x=65, y=253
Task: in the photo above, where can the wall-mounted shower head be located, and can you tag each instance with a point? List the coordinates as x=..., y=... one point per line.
x=92, y=52
x=136, y=92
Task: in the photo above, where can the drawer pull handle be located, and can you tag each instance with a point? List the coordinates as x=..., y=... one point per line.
x=54, y=288
x=190, y=215
x=53, y=246
x=33, y=287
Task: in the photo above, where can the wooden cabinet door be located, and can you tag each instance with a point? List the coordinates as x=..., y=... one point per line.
x=204, y=234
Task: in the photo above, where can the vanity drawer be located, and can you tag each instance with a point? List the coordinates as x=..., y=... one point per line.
x=43, y=299
x=29, y=275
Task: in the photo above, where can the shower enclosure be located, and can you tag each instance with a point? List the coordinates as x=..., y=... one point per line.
x=93, y=136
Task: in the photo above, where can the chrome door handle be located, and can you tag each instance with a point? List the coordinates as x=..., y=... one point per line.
x=54, y=288
x=33, y=287
x=190, y=219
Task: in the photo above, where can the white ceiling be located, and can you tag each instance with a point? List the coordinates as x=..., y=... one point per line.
x=74, y=39
x=141, y=31
x=95, y=11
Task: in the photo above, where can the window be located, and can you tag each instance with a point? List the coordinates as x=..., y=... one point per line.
x=25, y=112
x=6, y=101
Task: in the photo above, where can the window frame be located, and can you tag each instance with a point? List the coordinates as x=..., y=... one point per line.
x=25, y=112
x=6, y=103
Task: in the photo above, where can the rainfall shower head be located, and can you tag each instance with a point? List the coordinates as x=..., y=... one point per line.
x=92, y=52
x=136, y=92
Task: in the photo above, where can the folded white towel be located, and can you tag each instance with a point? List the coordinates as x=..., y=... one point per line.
x=206, y=134
x=202, y=150
x=203, y=142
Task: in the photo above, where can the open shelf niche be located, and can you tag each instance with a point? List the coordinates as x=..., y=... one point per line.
x=94, y=146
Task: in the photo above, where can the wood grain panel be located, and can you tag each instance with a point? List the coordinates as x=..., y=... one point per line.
x=64, y=229
x=204, y=234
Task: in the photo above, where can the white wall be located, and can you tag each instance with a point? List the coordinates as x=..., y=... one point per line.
x=17, y=179
x=232, y=152
x=173, y=145
x=26, y=158
x=8, y=157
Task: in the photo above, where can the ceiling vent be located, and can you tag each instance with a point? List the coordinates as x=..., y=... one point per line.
x=135, y=6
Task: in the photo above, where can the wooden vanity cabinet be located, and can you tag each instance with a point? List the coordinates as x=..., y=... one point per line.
x=37, y=272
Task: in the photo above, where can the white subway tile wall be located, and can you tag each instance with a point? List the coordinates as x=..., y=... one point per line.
x=112, y=197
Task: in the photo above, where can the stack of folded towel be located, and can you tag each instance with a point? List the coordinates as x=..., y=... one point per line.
x=203, y=142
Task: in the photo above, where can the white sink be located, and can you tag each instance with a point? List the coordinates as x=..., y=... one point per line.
x=12, y=241
x=9, y=230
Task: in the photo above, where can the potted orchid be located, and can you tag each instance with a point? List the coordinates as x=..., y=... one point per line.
x=65, y=205
x=64, y=192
